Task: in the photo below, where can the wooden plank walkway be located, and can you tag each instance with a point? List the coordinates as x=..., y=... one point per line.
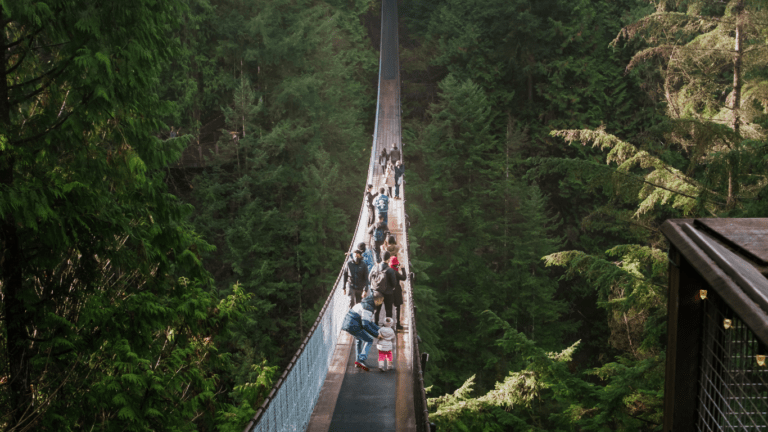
x=351, y=399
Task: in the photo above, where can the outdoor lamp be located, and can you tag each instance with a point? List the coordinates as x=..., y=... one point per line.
x=727, y=323
x=703, y=294
x=760, y=360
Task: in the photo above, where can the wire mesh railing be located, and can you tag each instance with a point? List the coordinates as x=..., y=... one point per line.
x=733, y=385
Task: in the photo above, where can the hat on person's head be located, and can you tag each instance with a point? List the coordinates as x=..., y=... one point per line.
x=357, y=251
x=393, y=262
x=388, y=322
x=361, y=246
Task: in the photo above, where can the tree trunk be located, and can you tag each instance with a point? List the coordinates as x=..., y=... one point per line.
x=11, y=260
x=736, y=106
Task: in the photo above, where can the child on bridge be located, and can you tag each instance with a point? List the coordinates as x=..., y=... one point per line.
x=385, y=343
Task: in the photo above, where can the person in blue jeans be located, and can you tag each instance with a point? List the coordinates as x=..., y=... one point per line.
x=359, y=323
x=399, y=171
x=382, y=204
x=368, y=259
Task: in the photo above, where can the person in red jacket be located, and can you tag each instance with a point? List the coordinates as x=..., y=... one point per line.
x=397, y=294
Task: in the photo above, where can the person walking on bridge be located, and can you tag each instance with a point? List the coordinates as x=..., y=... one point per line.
x=383, y=159
x=368, y=258
x=378, y=232
x=369, y=197
x=397, y=295
x=394, y=154
x=389, y=178
x=390, y=245
x=385, y=345
x=355, y=277
x=358, y=323
x=382, y=203
x=383, y=280
x=399, y=171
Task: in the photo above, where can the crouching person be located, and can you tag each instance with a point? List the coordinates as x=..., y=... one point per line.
x=359, y=323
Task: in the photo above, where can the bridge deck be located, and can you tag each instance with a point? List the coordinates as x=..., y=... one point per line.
x=321, y=390
x=351, y=399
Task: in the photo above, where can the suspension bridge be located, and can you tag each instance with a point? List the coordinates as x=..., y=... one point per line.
x=321, y=390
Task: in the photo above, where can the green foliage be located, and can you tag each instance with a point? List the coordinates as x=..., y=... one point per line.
x=483, y=235
x=546, y=395
x=546, y=63
x=286, y=86
x=108, y=316
x=544, y=66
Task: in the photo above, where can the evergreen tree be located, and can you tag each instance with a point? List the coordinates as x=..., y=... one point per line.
x=287, y=80
x=711, y=79
x=481, y=231
x=546, y=395
x=107, y=313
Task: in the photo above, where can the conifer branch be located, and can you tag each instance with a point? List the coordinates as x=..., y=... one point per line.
x=55, y=125
x=58, y=71
x=18, y=63
x=21, y=39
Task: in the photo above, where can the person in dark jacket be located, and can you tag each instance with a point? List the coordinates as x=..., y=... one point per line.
x=369, y=197
x=399, y=171
x=386, y=286
x=355, y=277
x=379, y=232
x=358, y=323
x=394, y=154
x=397, y=297
x=383, y=159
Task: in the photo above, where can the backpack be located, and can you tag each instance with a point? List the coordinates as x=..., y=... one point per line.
x=369, y=260
x=379, y=234
x=379, y=280
x=382, y=203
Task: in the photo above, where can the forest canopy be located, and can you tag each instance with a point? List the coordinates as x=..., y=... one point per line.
x=179, y=180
